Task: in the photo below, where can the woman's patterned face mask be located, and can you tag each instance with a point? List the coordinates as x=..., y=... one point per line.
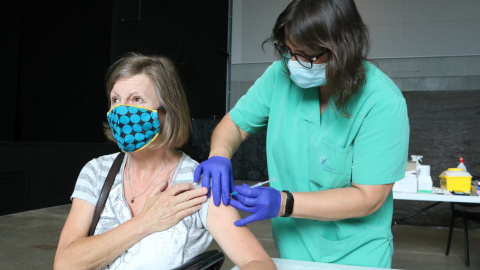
x=133, y=127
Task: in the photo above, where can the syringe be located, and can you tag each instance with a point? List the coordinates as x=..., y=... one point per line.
x=257, y=184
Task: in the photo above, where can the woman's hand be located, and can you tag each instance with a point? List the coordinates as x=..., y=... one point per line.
x=263, y=202
x=164, y=209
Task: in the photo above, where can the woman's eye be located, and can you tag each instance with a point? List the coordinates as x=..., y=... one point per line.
x=114, y=100
x=137, y=99
x=305, y=58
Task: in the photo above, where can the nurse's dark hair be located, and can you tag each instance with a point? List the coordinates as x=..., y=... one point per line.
x=167, y=85
x=337, y=26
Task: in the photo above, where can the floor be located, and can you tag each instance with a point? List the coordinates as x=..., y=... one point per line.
x=28, y=241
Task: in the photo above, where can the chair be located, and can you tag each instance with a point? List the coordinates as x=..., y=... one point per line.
x=208, y=260
x=467, y=212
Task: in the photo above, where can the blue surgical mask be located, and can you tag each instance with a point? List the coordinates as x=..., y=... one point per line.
x=133, y=127
x=306, y=78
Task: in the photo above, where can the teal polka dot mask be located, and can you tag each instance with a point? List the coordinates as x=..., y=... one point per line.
x=133, y=127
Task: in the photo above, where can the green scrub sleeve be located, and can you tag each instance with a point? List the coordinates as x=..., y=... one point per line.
x=381, y=146
x=252, y=110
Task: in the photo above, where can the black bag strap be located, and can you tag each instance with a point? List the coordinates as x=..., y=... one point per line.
x=105, y=191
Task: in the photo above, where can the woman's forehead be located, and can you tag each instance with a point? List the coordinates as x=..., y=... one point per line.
x=138, y=79
x=140, y=83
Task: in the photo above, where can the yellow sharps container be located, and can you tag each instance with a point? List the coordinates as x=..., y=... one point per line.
x=456, y=179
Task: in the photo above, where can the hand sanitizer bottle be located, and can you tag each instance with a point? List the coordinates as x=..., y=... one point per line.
x=461, y=165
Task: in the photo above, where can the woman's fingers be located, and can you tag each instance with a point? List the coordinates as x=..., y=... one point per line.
x=167, y=208
x=180, y=188
x=188, y=211
x=188, y=202
x=192, y=202
x=182, y=195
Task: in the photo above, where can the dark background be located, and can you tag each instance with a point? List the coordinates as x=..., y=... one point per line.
x=54, y=59
x=56, y=55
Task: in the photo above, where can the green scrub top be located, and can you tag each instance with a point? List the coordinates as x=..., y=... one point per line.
x=308, y=151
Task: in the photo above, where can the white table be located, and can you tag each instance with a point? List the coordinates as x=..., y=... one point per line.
x=438, y=198
x=283, y=264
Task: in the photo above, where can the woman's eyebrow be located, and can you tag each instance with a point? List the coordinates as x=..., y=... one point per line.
x=298, y=51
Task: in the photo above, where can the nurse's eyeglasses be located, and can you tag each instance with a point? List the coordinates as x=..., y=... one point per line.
x=302, y=59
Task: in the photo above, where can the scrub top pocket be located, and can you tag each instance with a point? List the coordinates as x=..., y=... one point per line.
x=330, y=166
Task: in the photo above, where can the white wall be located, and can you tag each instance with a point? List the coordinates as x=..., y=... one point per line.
x=422, y=28
x=420, y=44
x=252, y=23
x=398, y=28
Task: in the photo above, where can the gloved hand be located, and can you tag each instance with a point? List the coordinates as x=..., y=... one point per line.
x=220, y=170
x=263, y=202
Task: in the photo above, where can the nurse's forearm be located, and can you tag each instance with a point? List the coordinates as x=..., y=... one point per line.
x=340, y=203
x=226, y=138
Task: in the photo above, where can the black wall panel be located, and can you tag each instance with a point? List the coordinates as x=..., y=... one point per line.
x=50, y=169
x=57, y=54
x=192, y=33
x=63, y=58
x=11, y=26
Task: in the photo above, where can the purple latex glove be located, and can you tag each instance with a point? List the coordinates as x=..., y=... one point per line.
x=220, y=170
x=263, y=202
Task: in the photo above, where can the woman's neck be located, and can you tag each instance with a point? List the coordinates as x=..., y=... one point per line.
x=151, y=159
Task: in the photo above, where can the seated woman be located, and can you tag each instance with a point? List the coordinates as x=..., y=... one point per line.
x=154, y=217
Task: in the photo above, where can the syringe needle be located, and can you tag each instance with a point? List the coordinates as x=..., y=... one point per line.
x=257, y=185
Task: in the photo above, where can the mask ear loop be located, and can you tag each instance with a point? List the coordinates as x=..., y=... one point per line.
x=161, y=108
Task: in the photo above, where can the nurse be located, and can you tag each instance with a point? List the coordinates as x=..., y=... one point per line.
x=337, y=140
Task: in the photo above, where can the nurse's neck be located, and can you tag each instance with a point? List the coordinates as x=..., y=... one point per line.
x=323, y=96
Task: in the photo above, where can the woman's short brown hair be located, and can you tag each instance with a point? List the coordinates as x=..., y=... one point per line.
x=164, y=76
x=337, y=26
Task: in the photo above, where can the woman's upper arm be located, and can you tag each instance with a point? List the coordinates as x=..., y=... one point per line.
x=373, y=195
x=239, y=243
x=78, y=222
x=243, y=134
